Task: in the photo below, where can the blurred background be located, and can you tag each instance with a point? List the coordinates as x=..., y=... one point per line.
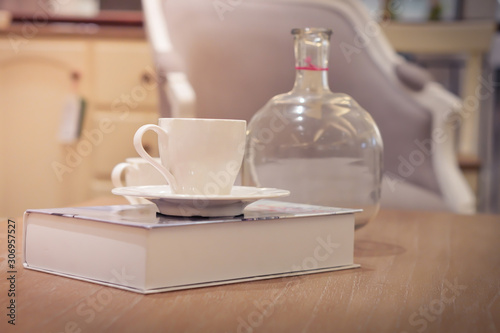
x=77, y=78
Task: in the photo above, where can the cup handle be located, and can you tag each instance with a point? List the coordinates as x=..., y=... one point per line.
x=116, y=179
x=163, y=135
x=116, y=174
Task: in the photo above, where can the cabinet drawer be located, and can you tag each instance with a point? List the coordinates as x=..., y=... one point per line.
x=124, y=75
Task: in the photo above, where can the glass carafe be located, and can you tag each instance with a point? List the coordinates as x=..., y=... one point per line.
x=322, y=146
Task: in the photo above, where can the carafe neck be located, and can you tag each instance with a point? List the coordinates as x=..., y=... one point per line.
x=311, y=60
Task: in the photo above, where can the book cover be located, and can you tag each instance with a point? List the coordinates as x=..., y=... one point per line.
x=133, y=247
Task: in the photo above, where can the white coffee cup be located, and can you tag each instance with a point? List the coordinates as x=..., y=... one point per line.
x=136, y=171
x=198, y=156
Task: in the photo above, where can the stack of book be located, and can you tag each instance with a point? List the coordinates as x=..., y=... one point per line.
x=135, y=248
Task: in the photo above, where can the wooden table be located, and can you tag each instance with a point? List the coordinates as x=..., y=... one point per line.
x=421, y=272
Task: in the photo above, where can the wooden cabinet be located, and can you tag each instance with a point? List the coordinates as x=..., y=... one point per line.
x=125, y=93
x=34, y=83
x=117, y=82
x=130, y=78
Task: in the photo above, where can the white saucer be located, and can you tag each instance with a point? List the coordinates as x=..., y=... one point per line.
x=200, y=205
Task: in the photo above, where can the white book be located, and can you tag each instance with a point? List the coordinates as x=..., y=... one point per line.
x=135, y=248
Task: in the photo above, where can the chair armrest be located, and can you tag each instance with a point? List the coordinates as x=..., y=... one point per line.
x=181, y=95
x=155, y=25
x=445, y=117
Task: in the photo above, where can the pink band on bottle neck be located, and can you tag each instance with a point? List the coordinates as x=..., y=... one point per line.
x=310, y=66
x=313, y=68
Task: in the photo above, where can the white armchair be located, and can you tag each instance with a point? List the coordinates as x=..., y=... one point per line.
x=227, y=62
x=180, y=96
